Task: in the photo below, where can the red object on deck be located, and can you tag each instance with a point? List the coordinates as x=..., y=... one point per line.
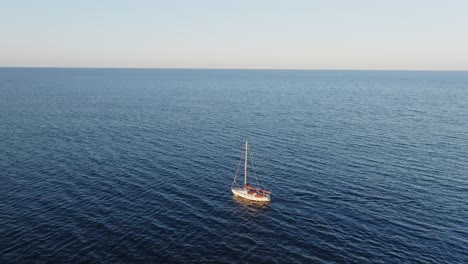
x=259, y=196
x=258, y=190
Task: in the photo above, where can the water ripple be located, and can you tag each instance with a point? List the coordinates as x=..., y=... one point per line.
x=135, y=166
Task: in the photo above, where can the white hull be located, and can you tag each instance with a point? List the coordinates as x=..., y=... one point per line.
x=242, y=192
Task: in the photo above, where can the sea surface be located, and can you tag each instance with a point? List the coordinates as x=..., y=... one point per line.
x=136, y=165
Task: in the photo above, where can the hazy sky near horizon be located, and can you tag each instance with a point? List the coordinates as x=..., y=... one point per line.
x=360, y=34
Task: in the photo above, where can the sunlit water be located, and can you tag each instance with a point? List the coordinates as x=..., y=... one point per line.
x=121, y=165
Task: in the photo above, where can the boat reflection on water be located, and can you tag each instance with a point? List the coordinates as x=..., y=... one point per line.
x=253, y=206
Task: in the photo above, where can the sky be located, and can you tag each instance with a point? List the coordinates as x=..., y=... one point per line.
x=251, y=34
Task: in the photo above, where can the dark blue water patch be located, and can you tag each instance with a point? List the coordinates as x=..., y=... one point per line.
x=135, y=165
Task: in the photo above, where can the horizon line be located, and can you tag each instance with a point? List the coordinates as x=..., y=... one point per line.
x=255, y=69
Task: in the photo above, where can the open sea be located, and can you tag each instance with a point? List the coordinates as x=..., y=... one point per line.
x=136, y=165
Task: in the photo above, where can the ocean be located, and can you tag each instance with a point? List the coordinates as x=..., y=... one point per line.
x=136, y=165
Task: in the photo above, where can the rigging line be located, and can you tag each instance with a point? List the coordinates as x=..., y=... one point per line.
x=253, y=168
x=259, y=181
x=255, y=173
x=237, y=171
x=234, y=182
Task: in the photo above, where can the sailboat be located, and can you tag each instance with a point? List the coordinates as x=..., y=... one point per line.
x=248, y=192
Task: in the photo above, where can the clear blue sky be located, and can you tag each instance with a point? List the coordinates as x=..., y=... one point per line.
x=348, y=34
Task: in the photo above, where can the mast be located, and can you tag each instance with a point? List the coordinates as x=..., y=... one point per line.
x=245, y=164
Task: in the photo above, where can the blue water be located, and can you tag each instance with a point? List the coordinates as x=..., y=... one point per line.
x=135, y=165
